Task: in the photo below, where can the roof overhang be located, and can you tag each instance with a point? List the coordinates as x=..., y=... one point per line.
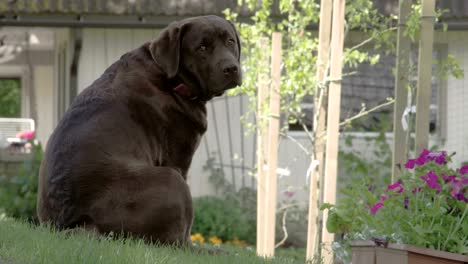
x=108, y=21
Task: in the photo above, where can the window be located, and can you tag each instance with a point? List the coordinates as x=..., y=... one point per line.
x=10, y=97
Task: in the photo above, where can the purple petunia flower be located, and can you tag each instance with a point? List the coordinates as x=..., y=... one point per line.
x=417, y=189
x=464, y=170
x=396, y=187
x=378, y=205
x=459, y=196
x=376, y=208
x=464, y=180
x=288, y=194
x=410, y=163
x=448, y=178
x=438, y=157
x=406, y=202
x=431, y=180
x=423, y=157
x=457, y=187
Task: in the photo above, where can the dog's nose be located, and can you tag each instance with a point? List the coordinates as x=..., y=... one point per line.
x=230, y=70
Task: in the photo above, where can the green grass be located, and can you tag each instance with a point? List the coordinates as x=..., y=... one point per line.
x=22, y=243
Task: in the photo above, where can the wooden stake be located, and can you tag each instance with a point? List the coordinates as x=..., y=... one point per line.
x=319, y=127
x=273, y=134
x=401, y=90
x=261, y=150
x=423, y=99
x=333, y=120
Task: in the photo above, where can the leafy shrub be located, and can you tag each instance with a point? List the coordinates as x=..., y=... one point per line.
x=18, y=193
x=223, y=217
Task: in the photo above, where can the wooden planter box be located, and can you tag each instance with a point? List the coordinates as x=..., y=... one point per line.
x=366, y=252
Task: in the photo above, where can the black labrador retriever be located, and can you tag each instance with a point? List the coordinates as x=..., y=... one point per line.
x=118, y=159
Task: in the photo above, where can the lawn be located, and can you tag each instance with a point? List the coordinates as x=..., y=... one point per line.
x=23, y=243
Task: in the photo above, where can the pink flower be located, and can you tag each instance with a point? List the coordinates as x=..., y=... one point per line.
x=464, y=170
x=464, y=180
x=396, y=187
x=288, y=194
x=416, y=190
x=378, y=205
x=423, y=157
x=448, y=178
x=26, y=134
x=438, y=157
x=406, y=202
x=431, y=180
x=376, y=208
x=457, y=186
x=459, y=196
x=410, y=163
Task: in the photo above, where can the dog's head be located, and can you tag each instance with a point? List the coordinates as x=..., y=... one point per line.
x=203, y=52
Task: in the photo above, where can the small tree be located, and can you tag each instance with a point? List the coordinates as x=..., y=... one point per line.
x=296, y=20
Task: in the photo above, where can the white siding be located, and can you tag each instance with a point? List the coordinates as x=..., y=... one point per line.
x=231, y=143
x=457, y=99
x=102, y=47
x=43, y=84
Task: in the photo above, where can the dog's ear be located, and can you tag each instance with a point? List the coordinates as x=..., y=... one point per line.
x=237, y=39
x=165, y=49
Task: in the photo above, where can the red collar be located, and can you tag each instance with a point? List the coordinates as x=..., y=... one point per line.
x=184, y=91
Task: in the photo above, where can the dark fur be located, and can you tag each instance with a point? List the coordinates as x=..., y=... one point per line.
x=118, y=159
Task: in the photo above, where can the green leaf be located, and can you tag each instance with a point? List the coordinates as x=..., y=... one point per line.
x=326, y=206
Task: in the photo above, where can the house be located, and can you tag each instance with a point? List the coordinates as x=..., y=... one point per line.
x=57, y=48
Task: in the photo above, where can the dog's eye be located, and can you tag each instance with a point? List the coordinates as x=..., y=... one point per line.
x=231, y=41
x=202, y=48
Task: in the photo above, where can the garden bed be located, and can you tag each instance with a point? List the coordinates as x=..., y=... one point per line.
x=366, y=252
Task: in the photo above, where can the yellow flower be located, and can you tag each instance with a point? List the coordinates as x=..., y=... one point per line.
x=237, y=242
x=215, y=240
x=197, y=238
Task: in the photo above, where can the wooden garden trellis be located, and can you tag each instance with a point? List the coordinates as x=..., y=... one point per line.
x=401, y=90
x=319, y=127
x=266, y=182
x=333, y=120
x=423, y=97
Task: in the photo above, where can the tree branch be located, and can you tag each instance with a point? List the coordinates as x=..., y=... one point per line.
x=297, y=142
x=285, y=230
x=363, y=113
x=370, y=39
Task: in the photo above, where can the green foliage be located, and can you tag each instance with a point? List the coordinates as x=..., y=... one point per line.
x=353, y=166
x=300, y=46
x=449, y=66
x=414, y=210
x=372, y=30
x=222, y=217
x=18, y=193
x=413, y=21
x=230, y=214
x=10, y=98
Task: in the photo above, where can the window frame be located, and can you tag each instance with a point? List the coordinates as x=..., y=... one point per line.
x=23, y=74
